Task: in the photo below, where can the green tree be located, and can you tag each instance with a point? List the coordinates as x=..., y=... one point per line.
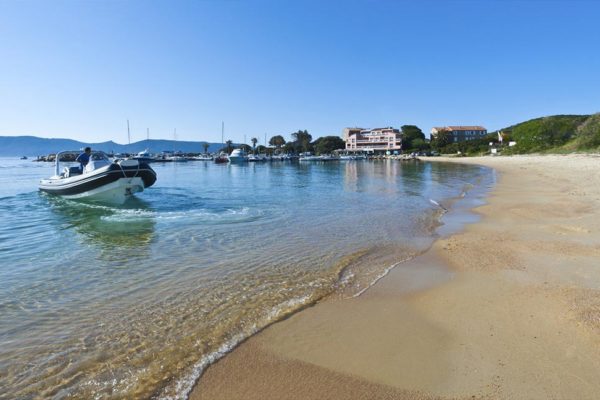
x=254, y=141
x=246, y=148
x=289, y=147
x=410, y=133
x=420, y=144
x=302, y=140
x=229, y=147
x=327, y=144
x=277, y=141
x=205, y=146
x=442, y=139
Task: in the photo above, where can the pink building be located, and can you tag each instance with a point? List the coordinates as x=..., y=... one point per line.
x=377, y=140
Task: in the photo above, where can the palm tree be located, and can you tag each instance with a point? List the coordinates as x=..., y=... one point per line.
x=254, y=141
x=205, y=146
x=229, y=146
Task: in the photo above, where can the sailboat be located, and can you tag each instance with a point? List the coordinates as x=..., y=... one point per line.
x=222, y=158
x=176, y=156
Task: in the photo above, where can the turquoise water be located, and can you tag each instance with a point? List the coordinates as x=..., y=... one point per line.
x=135, y=301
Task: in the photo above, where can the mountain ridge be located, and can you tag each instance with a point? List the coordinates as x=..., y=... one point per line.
x=36, y=146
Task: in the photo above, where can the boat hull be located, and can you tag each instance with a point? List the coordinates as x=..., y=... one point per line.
x=113, y=183
x=237, y=159
x=115, y=192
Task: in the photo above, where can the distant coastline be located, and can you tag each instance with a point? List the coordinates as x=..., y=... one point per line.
x=32, y=146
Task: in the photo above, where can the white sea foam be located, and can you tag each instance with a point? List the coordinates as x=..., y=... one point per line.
x=197, y=215
x=380, y=276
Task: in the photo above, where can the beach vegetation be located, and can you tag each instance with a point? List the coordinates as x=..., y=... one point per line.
x=587, y=136
x=546, y=134
x=552, y=134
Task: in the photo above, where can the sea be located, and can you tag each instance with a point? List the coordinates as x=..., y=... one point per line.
x=136, y=301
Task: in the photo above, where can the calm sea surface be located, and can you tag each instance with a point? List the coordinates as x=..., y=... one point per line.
x=135, y=301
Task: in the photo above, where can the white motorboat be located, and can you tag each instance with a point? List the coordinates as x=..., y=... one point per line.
x=257, y=158
x=310, y=157
x=101, y=180
x=144, y=156
x=203, y=157
x=238, y=156
x=350, y=157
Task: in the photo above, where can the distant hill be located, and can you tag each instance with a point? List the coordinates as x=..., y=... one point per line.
x=11, y=146
x=556, y=133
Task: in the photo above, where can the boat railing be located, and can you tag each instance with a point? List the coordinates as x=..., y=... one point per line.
x=99, y=157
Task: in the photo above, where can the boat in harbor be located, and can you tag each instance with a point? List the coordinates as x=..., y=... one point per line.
x=100, y=180
x=238, y=156
x=222, y=158
x=144, y=156
x=311, y=157
x=202, y=157
x=257, y=158
x=352, y=157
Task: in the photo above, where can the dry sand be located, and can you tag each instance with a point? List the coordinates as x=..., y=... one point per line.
x=507, y=309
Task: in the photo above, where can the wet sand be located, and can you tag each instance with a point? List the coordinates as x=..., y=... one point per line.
x=509, y=308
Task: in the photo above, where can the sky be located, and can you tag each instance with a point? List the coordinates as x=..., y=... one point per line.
x=178, y=69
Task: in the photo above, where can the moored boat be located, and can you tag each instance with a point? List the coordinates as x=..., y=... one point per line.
x=238, y=156
x=222, y=158
x=144, y=156
x=100, y=180
x=257, y=158
x=203, y=157
x=310, y=157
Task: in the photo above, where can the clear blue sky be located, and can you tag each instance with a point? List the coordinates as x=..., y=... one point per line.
x=80, y=69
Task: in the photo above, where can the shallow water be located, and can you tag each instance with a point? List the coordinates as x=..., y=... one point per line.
x=135, y=301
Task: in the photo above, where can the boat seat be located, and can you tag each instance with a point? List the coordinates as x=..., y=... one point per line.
x=72, y=171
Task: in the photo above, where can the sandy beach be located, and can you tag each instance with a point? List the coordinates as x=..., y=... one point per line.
x=508, y=308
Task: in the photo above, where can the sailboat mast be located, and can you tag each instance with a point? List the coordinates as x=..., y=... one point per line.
x=128, y=134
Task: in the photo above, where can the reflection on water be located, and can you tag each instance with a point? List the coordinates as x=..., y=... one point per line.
x=129, y=225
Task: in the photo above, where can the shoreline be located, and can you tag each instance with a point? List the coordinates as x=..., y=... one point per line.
x=509, y=307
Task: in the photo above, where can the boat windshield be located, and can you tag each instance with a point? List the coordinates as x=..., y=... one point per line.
x=99, y=155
